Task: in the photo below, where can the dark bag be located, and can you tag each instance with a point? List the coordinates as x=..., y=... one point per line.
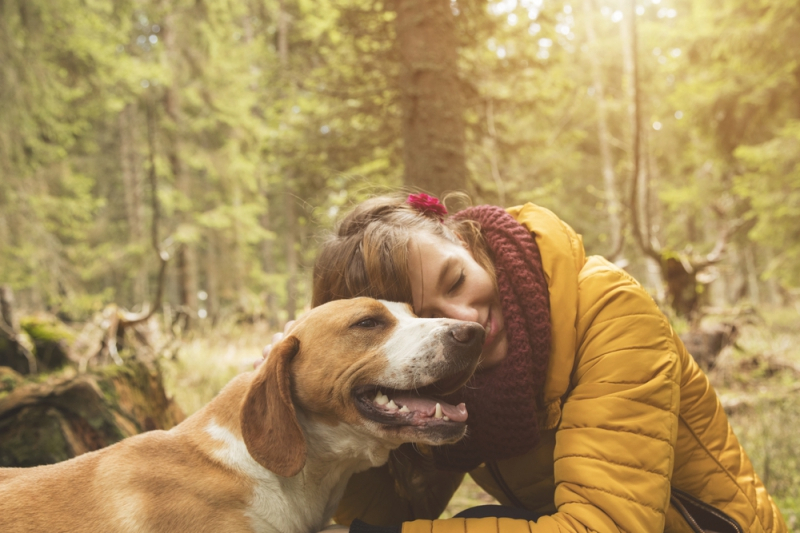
x=702, y=517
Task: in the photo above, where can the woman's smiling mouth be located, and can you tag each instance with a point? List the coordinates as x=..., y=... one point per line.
x=491, y=328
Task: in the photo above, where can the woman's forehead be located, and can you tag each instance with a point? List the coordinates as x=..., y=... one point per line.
x=430, y=249
x=431, y=258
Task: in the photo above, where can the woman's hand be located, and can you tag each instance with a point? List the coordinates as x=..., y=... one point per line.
x=275, y=340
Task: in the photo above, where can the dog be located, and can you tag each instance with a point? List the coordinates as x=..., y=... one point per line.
x=273, y=452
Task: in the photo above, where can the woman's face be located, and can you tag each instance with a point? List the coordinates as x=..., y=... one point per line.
x=446, y=281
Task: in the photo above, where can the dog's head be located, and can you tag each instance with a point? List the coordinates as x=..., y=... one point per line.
x=367, y=363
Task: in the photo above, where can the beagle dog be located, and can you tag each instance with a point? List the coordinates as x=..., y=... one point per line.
x=274, y=450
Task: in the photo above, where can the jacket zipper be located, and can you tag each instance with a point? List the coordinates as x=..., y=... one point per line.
x=703, y=505
x=494, y=470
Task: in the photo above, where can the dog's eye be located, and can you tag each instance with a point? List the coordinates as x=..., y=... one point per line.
x=366, y=323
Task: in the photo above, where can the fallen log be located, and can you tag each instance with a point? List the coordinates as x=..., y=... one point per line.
x=43, y=422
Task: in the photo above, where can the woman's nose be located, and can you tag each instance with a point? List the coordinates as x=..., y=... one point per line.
x=460, y=312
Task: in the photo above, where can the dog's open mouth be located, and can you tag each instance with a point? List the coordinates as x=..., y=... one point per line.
x=418, y=407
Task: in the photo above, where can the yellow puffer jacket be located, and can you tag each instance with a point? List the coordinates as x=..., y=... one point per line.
x=627, y=415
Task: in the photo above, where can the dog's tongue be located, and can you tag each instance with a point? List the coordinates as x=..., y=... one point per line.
x=427, y=406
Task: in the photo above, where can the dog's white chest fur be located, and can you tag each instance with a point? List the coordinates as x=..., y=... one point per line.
x=307, y=501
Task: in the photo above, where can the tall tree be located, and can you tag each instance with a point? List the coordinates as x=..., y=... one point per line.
x=134, y=205
x=610, y=186
x=431, y=96
x=187, y=280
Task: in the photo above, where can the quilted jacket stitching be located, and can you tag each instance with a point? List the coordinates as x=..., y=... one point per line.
x=621, y=430
x=723, y=468
x=601, y=322
x=620, y=496
x=659, y=407
x=660, y=474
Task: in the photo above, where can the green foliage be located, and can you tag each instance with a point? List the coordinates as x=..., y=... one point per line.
x=46, y=328
x=771, y=184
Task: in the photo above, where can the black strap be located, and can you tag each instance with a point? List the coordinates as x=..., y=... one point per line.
x=702, y=517
x=362, y=527
x=494, y=470
x=498, y=511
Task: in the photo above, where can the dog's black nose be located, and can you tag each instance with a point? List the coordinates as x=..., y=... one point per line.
x=468, y=334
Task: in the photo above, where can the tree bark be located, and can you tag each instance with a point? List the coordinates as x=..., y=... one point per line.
x=7, y=312
x=212, y=275
x=13, y=350
x=638, y=211
x=291, y=253
x=613, y=205
x=132, y=186
x=491, y=147
x=753, y=289
x=187, y=282
x=268, y=257
x=432, y=102
x=289, y=193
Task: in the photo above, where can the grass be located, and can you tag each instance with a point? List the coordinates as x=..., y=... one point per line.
x=208, y=360
x=758, y=381
x=469, y=494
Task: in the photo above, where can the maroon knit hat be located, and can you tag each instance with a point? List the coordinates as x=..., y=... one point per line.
x=503, y=401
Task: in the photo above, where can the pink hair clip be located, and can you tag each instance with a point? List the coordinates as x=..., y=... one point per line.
x=426, y=204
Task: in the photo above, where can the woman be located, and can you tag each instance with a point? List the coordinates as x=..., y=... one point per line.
x=586, y=413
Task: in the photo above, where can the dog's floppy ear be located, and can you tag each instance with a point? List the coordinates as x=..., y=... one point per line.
x=269, y=423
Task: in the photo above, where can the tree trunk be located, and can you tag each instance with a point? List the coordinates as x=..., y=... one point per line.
x=753, y=289
x=14, y=350
x=638, y=211
x=212, y=276
x=491, y=148
x=289, y=194
x=291, y=253
x=187, y=283
x=237, y=271
x=432, y=102
x=268, y=258
x=132, y=186
x=613, y=205
x=7, y=312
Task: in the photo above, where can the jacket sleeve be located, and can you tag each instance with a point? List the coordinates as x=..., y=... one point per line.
x=614, y=451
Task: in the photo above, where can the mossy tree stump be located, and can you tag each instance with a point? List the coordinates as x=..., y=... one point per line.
x=55, y=404
x=50, y=339
x=46, y=419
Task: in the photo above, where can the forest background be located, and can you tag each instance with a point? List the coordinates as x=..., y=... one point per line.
x=188, y=155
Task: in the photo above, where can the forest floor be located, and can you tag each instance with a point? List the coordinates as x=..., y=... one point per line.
x=757, y=380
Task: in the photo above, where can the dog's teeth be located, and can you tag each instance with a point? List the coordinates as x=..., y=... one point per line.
x=405, y=409
x=438, y=413
x=445, y=418
x=391, y=405
x=381, y=399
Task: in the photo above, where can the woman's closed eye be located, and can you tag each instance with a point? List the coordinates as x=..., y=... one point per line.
x=459, y=282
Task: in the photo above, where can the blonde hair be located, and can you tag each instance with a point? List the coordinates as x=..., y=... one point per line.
x=367, y=254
